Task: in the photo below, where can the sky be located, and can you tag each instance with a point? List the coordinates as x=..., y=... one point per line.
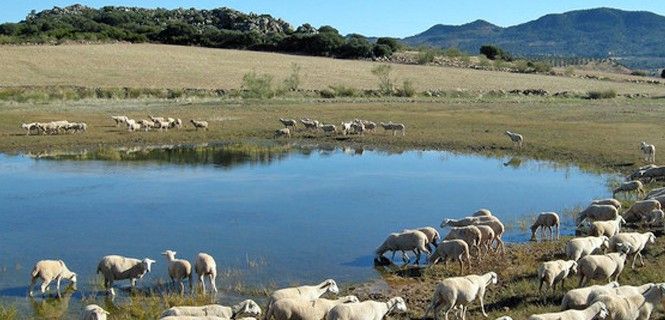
x=396, y=18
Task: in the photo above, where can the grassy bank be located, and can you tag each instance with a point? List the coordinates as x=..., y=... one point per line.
x=602, y=133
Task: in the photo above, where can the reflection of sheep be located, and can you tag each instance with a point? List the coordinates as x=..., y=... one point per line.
x=580, y=247
x=579, y=298
x=516, y=138
x=635, y=241
x=120, y=268
x=205, y=265
x=608, y=266
x=49, y=270
x=303, y=309
x=409, y=240
x=366, y=310
x=553, y=272
x=597, y=310
x=635, y=185
x=546, y=220
x=451, y=249
x=460, y=291
x=649, y=151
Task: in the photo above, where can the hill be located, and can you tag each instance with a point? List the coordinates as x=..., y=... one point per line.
x=633, y=37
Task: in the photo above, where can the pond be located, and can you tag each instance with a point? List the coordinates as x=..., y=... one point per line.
x=270, y=215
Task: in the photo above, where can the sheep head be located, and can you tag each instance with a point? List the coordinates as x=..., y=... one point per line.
x=606, y=242
x=445, y=222
x=350, y=299
x=652, y=237
x=147, y=263
x=494, y=278
x=397, y=304
x=247, y=307
x=170, y=255
x=603, y=312
x=331, y=286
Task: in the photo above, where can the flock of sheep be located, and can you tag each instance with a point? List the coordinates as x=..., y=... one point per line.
x=158, y=123
x=54, y=127
x=356, y=126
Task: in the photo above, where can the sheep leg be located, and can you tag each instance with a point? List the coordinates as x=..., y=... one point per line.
x=45, y=285
x=405, y=257
x=190, y=282
x=57, y=284
x=203, y=284
x=632, y=266
x=641, y=259
x=452, y=305
x=32, y=286
x=482, y=304
x=393, y=257
x=212, y=282
x=434, y=306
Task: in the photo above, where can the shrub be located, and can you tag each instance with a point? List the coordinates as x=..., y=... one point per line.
x=407, y=89
x=602, y=94
x=343, y=91
x=453, y=53
x=639, y=73
x=382, y=50
x=382, y=72
x=355, y=47
x=257, y=85
x=292, y=82
x=542, y=66
x=425, y=56
x=522, y=66
x=390, y=42
x=484, y=62
x=327, y=93
x=569, y=71
x=491, y=52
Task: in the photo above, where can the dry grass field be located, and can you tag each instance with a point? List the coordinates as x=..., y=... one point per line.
x=161, y=66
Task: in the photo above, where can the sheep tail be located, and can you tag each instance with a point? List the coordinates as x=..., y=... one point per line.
x=34, y=272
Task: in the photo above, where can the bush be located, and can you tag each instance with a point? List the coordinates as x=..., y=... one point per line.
x=407, y=89
x=491, y=52
x=343, y=91
x=522, y=66
x=390, y=42
x=602, y=94
x=453, y=53
x=484, y=62
x=327, y=93
x=639, y=73
x=382, y=50
x=425, y=56
x=257, y=85
x=355, y=47
x=292, y=82
x=569, y=71
x=382, y=72
x=542, y=66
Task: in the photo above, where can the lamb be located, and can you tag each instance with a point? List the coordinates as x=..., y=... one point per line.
x=598, y=213
x=635, y=185
x=579, y=298
x=432, y=236
x=487, y=237
x=606, y=228
x=28, y=127
x=639, y=209
x=366, y=310
x=246, y=307
x=546, y=220
x=460, y=291
x=329, y=128
x=516, y=138
x=394, y=127
x=49, y=270
x=489, y=221
x=303, y=292
x=451, y=249
x=654, y=218
x=469, y=234
x=115, y=267
x=409, y=240
x=636, y=241
x=303, y=309
x=614, y=202
x=205, y=265
x=94, y=312
x=283, y=132
x=649, y=152
x=608, y=266
x=200, y=124
x=288, y=122
x=597, y=310
x=178, y=270
x=552, y=272
x=119, y=119
x=579, y=247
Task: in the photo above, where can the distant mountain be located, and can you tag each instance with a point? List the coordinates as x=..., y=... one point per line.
x=638, y=37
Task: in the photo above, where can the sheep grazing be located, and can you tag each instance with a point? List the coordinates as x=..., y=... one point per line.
x=94, y=312
x=580, y=298
x=596, y=212
x=199, y=124
x=432, y=236
x=329, y=128
x=655, y=218
x=460, y=291
x=487, y=236
x=175, y=123
x=394, y=127
x=613, y=202
x=516, y=138
x=283, y=132
x=366, y=310
x=28, y=127
x=310, y=124
x=648, y=151
x=597, y=310
x=119, y=119
x=608, y=266
x=624, y=307
x=303, y=292
x=205, y=265
x=635, y=185
x=409, y=240
x=49, y=270
x=490, y=221
x=115, y=267
x=635, y=241
x=451, y=249
x=553, y=272
x=178, y=270
x=469, y=234
x=579, y=247
x=606, y=228
x=244, y=308
x=639, y=209
x=162, y=125
x=546, y=220
x=303, y=309
x=288, y=122
x=621, y=291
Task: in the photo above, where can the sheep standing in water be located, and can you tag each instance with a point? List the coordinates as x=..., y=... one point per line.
x=649, y=152
x=49, y=270
x=178, y=270
x=119, y=268
x=546, y=220
x=516, y=138
x=409, y=240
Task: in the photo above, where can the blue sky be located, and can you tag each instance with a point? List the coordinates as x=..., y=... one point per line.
x=369, y=17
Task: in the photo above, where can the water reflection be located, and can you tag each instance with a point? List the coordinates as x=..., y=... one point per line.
x=514, y=162
x=53, y=306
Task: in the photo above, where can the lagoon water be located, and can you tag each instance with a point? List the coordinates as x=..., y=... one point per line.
x=270, y=216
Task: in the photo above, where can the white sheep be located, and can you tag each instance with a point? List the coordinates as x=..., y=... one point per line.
x=482, y=213
x=146, y=124
x=469, y=234
x=49, y=270
x=155, y=119
x=619, y=291
x=607, y=266
x=366, y=310
x=628, y=186
x=579, y=247
x=162, y=125
x=199, y=124
x=546, y=220
x=304, y=309
x=516, y=138
x=115, y=267
x=345, y=127
x=283, y=132
x=28, y=127
x=490, y=221
x=369, y=125
x=179, y=269
x=205, y=265
x=310, y=124
x=487, y=236
x=580, y=298
x=119, y=119
x=553, y=272
x=614, y=202
x=451, y=249
x=394, y=127
x=632, y=306
x=637, y=241
x=606, y=228
x=596, y=212
x=432, y=235
x=132, y=125
x=288, y=122
x=597, y=310
x=504, y=318
x=94, y=312
x=649, y=152
x=652, y=297
x=247, y=307
x=460, y=291
x=409, y=240
x=307, y=292
x=639, y=209
x=175, y=123
x=358, y=128
x=199, y=318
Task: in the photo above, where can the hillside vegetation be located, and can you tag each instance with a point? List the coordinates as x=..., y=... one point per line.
x=163, y=66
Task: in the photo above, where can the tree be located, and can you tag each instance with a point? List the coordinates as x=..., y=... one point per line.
x=390, y=42
x=382, y=50
x=491, y=52
x=328, y=29
x=355, y=47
